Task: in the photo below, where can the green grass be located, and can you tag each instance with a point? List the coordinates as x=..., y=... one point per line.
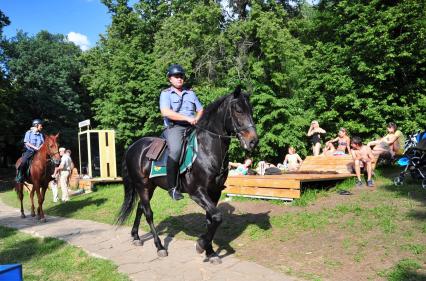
x=405, y=270
x=51, y=259
x=102, y=205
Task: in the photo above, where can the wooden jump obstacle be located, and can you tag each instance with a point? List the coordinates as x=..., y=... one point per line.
x=288, y=185
x=88, y=184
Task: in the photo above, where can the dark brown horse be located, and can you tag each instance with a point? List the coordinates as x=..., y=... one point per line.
x=42, y=167
x=229, y=115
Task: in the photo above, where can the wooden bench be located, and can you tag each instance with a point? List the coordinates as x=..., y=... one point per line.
x=288, y=185
x=333, y=164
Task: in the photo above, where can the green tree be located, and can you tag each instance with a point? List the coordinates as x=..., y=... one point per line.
x=45, y=70
x=369, y=65
x=5, y=111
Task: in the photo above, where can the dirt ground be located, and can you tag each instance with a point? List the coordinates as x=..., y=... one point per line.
x=337, y=251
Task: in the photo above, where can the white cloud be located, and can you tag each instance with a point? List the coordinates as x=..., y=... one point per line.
x=79, y=39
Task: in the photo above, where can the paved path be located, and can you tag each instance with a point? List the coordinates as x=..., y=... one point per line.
x=140, y=263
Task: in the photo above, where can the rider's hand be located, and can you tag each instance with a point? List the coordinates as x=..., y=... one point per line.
x=191, y=120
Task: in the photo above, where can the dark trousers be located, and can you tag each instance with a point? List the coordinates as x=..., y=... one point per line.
x=174, y=138
x=26, y=156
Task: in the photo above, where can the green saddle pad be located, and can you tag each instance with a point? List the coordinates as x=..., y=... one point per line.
x=158, y=168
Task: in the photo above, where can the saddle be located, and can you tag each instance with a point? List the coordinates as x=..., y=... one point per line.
x=158, y=153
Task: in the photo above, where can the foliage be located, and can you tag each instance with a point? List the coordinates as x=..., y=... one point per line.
x=369, y=65
x=4, y=82
x=45, y=70
x=357, y=64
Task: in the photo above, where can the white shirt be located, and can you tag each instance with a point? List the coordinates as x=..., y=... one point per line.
x=66, y=162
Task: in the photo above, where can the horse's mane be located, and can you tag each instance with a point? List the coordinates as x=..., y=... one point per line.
x=213, y=107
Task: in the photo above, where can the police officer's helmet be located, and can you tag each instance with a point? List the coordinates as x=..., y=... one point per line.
x=37, y=122
x=175, y=69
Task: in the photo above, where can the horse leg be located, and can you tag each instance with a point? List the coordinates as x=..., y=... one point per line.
x=40, y=213
x=135, y=229
x=20, y=190
x=145, y=196
x=32, y=202
x=214, y=219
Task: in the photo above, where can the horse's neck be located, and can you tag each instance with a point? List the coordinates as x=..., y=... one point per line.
x=41, y=155
x=215, y=122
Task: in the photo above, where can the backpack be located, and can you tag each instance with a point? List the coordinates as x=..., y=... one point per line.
x=273, y=171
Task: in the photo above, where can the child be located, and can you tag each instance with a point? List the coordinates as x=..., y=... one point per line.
x=241, y=169
x=362, y=154
x=292, y=160
x=57, y=169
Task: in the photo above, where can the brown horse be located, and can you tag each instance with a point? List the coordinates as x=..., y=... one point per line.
x=42, y=167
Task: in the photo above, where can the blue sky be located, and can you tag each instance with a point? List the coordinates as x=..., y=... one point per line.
x=76, y=18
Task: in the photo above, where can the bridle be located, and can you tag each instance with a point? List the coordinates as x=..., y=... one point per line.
x=236, y=132
x=51, y=154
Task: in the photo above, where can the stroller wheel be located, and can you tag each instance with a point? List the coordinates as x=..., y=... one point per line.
x=424, y=183
x=398, y=181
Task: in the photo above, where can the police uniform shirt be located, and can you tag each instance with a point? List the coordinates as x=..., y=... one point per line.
x=187, y=104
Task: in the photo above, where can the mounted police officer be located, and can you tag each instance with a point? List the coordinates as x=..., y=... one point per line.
x=180, y=108
x=33, y=140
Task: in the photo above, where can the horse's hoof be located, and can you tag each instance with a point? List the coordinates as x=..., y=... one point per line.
x=32, y=214
x=198, y=248
x=162, y=253
x=215, y=259
x=137, y=242
x=43, y=220
x=23, y=216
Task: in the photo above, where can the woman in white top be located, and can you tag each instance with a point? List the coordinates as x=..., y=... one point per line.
x=292, y=160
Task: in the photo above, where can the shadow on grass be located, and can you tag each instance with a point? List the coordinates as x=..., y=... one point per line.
x=69, y=208
x=24, y=250
x=410, y=191
x=409, y=276
x=233, y=225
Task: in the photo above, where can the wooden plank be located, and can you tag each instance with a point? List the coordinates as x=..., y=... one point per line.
x=261, y=182
x=339, y=164
x=272, y=192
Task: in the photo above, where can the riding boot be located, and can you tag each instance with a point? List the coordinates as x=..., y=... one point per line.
x=20, y=174
x=172, y=176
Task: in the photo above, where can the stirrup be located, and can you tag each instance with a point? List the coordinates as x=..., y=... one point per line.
x=175, y=194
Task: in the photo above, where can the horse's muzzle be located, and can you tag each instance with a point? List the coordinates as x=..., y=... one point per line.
x=249, y=140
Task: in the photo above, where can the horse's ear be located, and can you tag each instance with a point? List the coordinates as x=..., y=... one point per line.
x=237, y=91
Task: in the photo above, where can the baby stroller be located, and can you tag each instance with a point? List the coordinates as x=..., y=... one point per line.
x=414, y=159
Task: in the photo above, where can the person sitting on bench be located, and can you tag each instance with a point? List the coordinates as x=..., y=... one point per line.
x=390, y=145
x=343, y=144
x=292, y=160
x=363, y=157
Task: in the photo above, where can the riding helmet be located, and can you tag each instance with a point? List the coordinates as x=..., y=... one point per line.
x=37, y=122
x=175, y=69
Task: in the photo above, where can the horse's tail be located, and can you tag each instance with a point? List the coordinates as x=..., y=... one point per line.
x=130, y=194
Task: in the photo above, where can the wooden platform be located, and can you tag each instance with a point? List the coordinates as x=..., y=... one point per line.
x=88, y=184
x=287, y=186
x=332, y=164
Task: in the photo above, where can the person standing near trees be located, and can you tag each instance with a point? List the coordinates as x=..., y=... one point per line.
x=180, y=108
x=314, y=133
